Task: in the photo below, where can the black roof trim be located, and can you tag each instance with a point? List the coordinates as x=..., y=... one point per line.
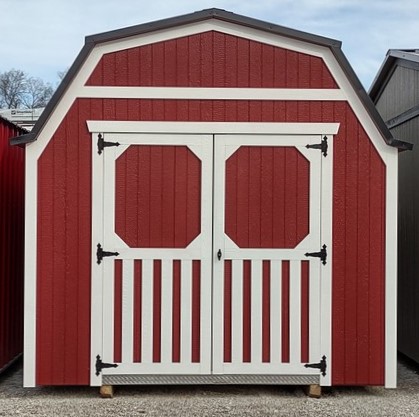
x=92, y=40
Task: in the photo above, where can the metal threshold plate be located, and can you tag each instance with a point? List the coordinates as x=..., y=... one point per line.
x=210, y=379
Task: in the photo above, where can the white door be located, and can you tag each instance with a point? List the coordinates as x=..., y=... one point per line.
x=267, y=217
x=207, y=270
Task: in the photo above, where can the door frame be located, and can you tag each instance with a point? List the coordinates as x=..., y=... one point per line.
x=211, y=128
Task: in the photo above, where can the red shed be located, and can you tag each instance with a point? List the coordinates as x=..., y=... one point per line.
x=211, y=199
x=12, y=194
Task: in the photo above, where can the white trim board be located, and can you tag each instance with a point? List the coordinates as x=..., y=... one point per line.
x=193, y=93
x=97, y=126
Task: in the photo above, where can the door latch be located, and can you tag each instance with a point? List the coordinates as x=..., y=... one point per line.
x=219, y=254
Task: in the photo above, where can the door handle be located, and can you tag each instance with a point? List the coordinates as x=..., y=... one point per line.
x=219, y=254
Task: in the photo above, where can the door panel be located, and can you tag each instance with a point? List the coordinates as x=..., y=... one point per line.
x=266, y=291
x=157, y=216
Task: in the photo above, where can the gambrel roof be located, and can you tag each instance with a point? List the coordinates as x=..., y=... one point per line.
x=225, y=16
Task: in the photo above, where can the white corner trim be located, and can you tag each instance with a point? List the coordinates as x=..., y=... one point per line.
x=31, y=194
x=97, y=126
x=391, y=161
x=195, y=93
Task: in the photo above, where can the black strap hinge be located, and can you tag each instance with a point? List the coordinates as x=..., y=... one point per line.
x=100, y=365
x=321, y=365
x=322, y=146
x=102, y=144
x=322, y=254
x=100, y=253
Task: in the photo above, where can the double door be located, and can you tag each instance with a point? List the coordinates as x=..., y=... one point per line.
x=200, y=262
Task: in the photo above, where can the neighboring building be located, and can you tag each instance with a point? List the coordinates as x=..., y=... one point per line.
x=395, y=92
x=12, y=198
x=210, y=199
x=24, y=118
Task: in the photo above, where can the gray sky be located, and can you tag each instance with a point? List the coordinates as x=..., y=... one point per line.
x=42, y=37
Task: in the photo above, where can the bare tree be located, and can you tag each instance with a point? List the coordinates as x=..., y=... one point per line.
x=36, y=94
x=19, y=90
x=12, y=86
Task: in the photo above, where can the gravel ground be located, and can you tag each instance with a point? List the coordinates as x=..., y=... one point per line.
x=210, y=400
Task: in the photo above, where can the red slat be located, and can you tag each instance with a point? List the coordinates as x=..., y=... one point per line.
x=181, y=190
x=156, y=311
x=266, y=312
x=196, y=311
x=247, y=300
x=117, y=342
x=227, y=311
x=176, y=302
x=137, y=309
x=285, y=311
x=305, y=300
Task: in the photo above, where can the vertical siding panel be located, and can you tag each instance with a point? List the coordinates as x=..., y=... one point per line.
x=194, y=61
x=316, y=65
x=280, y=69
x=182, y=62
x=109, y=69
x=351, y=249
x=303, y=195
x=133, y=59
x=157, y=63
x=207, y=59
x=266, y=197
x=219, y=59
x=84, y=246
x=157, y=311
x=71, y=212
x=231, y=202
x=196, y=311
x=144, y=201
x=193, y=213
x=96, y=78
x=243, y=182
x=231, y=61
x=254, y=197
x=268, y=66
x=181, y=208
x=279, y=198
x=242, y=63
x=227, y=311
x=168, y=196
x=303, y=71
x=121, y=68
x=255, y=64
x=376, y=302
x=292, y=69
x=338, y=264
x=247, y=320
x=170, y=63
x=291, y=205
x=146, y=65
x=363, y=256
x=156, y=164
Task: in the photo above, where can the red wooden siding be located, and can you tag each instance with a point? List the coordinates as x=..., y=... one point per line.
x=11, y=244
x=63, y=300
x=158, y=196
x=211, y=59
x=267, y=191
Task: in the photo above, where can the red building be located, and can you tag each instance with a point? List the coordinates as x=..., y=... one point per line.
x=12, y=194
x=212, y=199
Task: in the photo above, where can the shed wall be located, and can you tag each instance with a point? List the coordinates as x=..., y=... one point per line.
x=12, y=168
x=64, y=217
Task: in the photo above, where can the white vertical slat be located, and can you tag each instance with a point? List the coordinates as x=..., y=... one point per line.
x=108, y=312
x=166, y=310
x=206, y=310
x=237, y=311
x=256, y=312
x=276, y=312
x=295, y=312
x=147, y=312
x=128, y=311
x=186, y=311
x=314, y=310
